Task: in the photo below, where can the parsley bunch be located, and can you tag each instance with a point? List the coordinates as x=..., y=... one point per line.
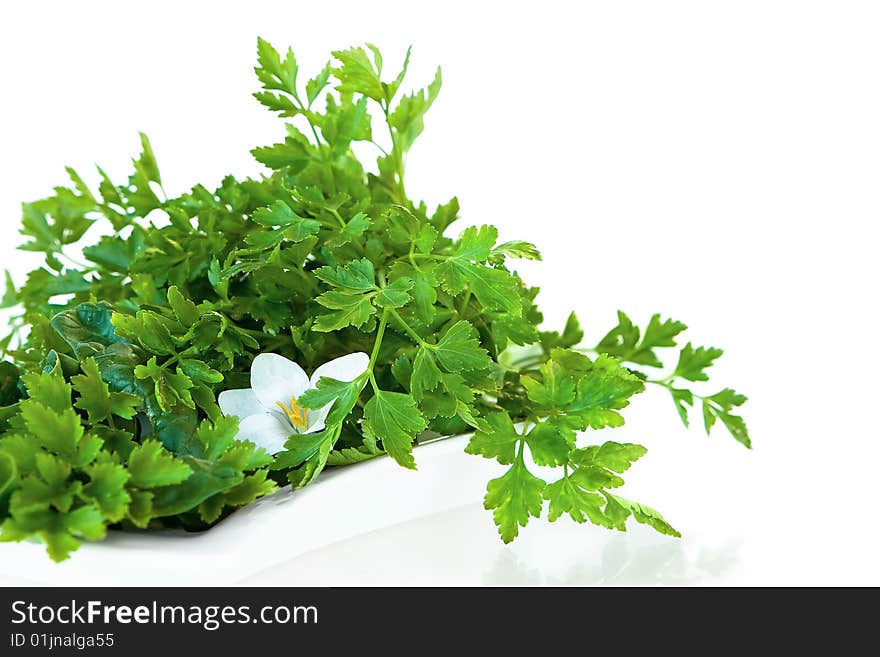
x=147, y=307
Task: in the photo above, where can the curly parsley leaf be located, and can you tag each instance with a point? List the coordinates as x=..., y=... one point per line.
x=151, y=465
x=96, y=398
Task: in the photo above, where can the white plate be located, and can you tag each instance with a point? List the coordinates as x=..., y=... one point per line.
x=374, y=523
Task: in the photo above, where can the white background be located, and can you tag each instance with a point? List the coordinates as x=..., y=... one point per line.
x=718, y=162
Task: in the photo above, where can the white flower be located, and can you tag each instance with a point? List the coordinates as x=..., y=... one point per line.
x=270, y=411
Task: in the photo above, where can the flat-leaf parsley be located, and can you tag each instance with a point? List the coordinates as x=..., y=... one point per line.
x=159, y=378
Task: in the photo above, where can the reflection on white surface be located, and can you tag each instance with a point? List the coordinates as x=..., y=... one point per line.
x=458, y=547
x=379, y=524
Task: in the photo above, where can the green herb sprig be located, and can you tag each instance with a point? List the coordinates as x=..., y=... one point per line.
x=147, y=307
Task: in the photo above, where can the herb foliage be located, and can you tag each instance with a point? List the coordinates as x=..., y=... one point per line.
x=108, y=413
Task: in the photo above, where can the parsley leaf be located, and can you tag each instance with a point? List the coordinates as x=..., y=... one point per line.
x=150, y=465
x=112, y=367
x=393, y=418
x=513, y=498
x=96, y=398
x=692, y=362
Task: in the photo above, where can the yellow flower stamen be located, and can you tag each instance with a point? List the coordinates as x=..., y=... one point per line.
x=297, y=415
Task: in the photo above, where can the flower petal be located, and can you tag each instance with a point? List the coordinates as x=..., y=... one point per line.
x=274, y=379
x=265, y=430
x=344, y=368
x=317, y=419
x=240, y=403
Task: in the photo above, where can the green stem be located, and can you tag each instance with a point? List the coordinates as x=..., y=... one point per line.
x=528, y=363
x=400, y=176
x=409, y=330
x=307, y=112
x=380, y=333
x=379, y=146
x=314, y=132
x=397, y=154
x=256, y=333
x=176, y=357
x=72, y=261
x=667, y=383
x=519, y=452
x=339, y=218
